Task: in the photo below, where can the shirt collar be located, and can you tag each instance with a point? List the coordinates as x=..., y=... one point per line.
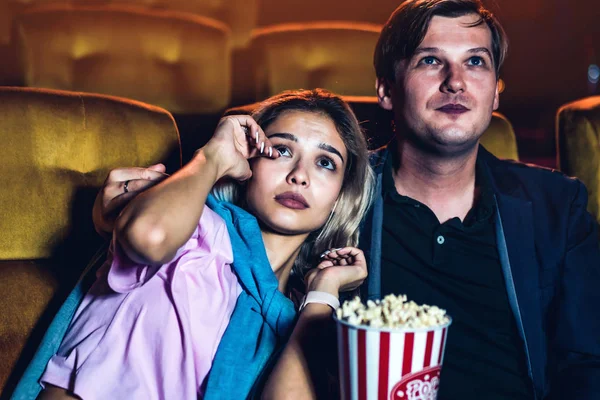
x=485, y=206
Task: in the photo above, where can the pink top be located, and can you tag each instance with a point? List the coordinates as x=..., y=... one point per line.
x=145, y=332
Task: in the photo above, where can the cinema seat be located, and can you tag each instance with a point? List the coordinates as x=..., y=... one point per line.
x=57, y=148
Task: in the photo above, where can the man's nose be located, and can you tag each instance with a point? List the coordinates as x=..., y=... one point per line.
x=454, y=80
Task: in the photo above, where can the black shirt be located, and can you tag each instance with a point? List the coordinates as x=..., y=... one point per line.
x=455, y=265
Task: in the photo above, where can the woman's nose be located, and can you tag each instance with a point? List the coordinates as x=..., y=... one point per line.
x=298, y=175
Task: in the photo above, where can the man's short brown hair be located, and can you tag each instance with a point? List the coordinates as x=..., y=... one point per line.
x=406, y=28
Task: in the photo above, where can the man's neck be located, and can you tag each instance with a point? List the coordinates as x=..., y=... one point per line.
x=445, y=184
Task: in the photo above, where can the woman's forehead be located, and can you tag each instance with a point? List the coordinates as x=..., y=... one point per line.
x=306, y=126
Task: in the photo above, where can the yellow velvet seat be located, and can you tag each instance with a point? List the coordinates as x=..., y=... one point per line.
x=57, y=148
x=174, y=60
x=337, y=56
x=500, y=139
x=240, y=15
x=578, y=145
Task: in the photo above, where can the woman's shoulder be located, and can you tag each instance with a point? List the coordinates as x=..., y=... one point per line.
x=210, y=239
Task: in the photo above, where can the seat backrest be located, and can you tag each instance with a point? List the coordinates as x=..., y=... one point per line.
x=59, y=145
x=337, y=56
x=499, y=138
x=277, y=11
x=174, y=60
x=239, y=15
x=578, y=145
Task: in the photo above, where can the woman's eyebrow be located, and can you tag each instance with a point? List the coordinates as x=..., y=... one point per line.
x=284, y=135
x=331, y=149
x=323, y=146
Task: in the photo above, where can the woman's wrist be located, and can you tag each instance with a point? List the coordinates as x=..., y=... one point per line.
x=323, y=285
x=208, y=158
x=317, y=309
x=319, y=297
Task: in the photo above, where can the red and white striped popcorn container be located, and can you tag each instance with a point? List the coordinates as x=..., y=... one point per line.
x=390, y=364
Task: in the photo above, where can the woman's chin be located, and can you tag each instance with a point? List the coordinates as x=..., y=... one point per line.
x=290, y=226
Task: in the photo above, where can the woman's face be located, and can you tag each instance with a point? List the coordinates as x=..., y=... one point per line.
x=295, y=193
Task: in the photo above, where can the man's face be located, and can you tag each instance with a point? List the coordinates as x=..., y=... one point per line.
x=445, y=94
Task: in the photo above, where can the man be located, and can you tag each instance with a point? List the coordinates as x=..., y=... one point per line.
x=509, y=250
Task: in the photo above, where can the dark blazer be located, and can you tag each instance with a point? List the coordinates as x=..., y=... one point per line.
x=548, y=248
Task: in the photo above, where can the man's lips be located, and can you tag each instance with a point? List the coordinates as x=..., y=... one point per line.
x=453, y=109
x=292, y=200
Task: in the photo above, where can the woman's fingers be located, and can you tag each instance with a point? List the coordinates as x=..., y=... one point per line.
x=339, y=278
x=340, y=253
x=137, y=178
x=343, y=261
x=152, y=172
x=160, y=167
x=345, y=256
x=258, y=142
x=262, y=145
x=342, y=269
x=348, y=252
x=325, y=264
x=113, y=196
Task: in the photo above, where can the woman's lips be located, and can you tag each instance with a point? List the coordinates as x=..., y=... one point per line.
x=292, y=200
x=453, y=109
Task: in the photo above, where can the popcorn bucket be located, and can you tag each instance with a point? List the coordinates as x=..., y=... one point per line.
x=390, y=364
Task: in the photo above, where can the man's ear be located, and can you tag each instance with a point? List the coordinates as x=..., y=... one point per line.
x=499, y=82
x=384, y=97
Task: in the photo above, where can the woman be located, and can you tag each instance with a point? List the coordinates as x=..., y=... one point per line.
x=179, y=298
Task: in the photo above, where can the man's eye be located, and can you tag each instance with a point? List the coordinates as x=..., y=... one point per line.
x=283, y=151
x=476, y=61
x=429, y=61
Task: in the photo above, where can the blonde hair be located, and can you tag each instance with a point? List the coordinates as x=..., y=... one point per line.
x=342, y=227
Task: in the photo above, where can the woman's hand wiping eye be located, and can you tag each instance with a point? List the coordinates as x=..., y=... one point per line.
x=237, y=139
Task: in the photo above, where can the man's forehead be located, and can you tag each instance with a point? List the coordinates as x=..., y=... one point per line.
x=457, y=34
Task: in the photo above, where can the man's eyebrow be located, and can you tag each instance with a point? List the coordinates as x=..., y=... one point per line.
x=420, y=50
x=323, y=146
x=479, y=50
x=435, y=50
x=331, y=149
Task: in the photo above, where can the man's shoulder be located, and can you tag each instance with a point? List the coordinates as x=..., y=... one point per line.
x=509, y=174
x=528, y=171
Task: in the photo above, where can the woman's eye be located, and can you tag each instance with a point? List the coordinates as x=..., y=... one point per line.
x=283, y=151
x=327, y=163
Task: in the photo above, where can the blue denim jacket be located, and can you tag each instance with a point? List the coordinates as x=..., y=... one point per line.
x=548, y=248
